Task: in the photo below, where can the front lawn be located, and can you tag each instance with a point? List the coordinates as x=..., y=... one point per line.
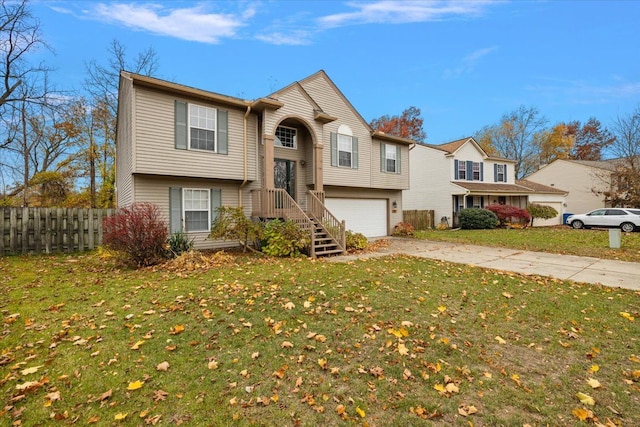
x=378, y=342
x=561, y=240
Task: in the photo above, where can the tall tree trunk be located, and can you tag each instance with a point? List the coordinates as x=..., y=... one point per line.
x=25, y=155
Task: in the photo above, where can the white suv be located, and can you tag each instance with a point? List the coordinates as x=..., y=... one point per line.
x=626, y=219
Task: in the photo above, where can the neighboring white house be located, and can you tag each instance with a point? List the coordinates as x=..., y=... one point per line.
x=584, y=180
x=459, y=174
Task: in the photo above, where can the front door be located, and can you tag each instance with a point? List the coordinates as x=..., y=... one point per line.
x=284, y=176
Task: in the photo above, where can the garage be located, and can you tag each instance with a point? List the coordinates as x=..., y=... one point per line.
x=366, y=216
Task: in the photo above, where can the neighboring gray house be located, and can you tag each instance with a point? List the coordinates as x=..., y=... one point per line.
x=459, y=174
x=303, y=153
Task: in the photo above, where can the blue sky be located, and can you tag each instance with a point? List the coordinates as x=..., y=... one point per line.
x=463, y=63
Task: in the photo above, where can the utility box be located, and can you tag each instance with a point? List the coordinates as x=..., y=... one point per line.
x=614, y=238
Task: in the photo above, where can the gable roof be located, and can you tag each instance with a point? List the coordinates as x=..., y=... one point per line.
x=539, y=188
x=451, y=147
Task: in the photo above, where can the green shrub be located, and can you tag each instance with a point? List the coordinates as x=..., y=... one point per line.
x=541, y=211
x=403, y=229
x=232, y=224
x=284, y=239
x=179, y=243
x=477, y=219
x=355, y=241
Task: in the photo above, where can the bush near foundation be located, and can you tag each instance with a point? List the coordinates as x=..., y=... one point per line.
x=477, y=219
x=355, y=241
x=403, y=229
x=137, y=232
x=507, y=213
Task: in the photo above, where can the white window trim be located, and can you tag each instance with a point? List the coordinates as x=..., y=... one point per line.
x=277, y=142
x=215, y=128
x=498, y=173
x=473, y=171
x=390, y=149
x=185, y=210
x=462, y=169
x=477, y=199
x=350, y=151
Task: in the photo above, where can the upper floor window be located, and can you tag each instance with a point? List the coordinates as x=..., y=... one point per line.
x=200, y=128
x=389, y=158
x=462, y=170
x=344, y=148
x=476, y=171
x=500, y=173
x=468, y=170
x=286, y=137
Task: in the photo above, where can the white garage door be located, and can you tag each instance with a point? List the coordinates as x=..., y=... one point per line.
x=366, y=216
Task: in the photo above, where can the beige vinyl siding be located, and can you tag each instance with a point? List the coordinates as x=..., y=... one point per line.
x=153, y=189
x=296, y=104
x=155, y=145
x=578, y=180
x=394, y=215
x=387, y=180
x=124, y=153
x=332, y=103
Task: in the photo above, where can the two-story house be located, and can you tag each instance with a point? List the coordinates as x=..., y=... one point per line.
x=302, y=153
x=449, y=177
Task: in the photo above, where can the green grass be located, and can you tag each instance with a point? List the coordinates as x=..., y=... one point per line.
x=302, y=342
x=561, y=240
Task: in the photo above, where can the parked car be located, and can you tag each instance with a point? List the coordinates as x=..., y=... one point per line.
x=626, y=219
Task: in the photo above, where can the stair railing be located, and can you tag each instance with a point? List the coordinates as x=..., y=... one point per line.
x=334, y=227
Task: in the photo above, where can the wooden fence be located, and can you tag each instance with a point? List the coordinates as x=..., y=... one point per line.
x=48, y=230
x=421, y=220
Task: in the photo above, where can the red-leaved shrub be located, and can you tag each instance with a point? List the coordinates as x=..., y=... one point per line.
x=137, y=231
x=507, y=213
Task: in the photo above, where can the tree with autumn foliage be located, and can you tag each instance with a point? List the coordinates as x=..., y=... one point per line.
x=408, y=125
x=553, y=144
x=625, y=188
x=589, y=139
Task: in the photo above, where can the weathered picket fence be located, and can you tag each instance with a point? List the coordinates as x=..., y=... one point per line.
x=49, y=230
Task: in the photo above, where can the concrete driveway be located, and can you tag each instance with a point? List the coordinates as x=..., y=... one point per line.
x=566, y=267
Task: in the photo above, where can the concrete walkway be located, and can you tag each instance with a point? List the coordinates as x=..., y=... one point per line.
x=566, y=267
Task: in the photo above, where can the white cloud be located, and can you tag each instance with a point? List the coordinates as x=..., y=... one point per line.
x=469, y=62
x=193, y=24
x=404, y=11
x=279, y=38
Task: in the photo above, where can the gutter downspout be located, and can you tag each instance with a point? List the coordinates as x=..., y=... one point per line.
x=244, y=141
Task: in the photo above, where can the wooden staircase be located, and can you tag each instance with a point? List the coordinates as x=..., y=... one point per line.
x=323, y=243
x=327, y=233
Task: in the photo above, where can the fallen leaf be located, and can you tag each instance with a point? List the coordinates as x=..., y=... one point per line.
x=176, y=330
x=360, y=412
x=213, y=364
x=341, y=409
x=627, y=316
x=163, y=366
x=466, y=410
x=137, y=345
x=582, y=414
x=594, y=383
x=31, y=370
x=500, y=340
x=286, y=344
x=507, y=295
x=289, y=306
x=120, y=416
x=402, y=349
x=106, y=395
x=135, y=385
x=586, y=399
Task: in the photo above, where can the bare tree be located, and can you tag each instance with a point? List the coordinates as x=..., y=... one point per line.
x=514, y=137
x=625, y=188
